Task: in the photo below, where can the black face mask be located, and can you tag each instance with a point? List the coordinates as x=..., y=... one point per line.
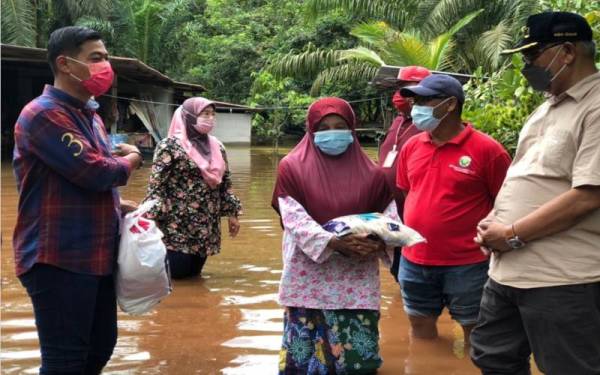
x=539, y=78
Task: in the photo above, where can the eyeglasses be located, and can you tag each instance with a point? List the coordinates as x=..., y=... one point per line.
x=530, y=57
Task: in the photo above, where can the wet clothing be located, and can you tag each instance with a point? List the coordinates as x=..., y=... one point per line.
x=329, y=342
x=69, y=207
x=182, y=265
x=188, y=211
x=426, y=290
x=451, y=187
x=560, y=325
x=312, y=188
x=76, y=319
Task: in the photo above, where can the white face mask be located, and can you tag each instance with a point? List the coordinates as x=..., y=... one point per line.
x=424, y=119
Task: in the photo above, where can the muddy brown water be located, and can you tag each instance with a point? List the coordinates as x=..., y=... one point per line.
x=226, y=322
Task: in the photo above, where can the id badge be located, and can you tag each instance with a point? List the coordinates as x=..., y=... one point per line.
x=389, y=159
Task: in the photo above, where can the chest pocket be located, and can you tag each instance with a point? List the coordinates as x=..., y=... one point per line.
x=464, y=180
x=557, y=151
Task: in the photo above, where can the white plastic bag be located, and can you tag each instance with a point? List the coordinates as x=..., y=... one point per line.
x=392, y=232
x=142, y=278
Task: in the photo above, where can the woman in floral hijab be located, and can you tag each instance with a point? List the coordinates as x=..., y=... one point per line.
x=192, y=183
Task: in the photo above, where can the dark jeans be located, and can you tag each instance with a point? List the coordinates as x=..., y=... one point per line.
x=76, y=319
x=560, y=325
x=185, y=265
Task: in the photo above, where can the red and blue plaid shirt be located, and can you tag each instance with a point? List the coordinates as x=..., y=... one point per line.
x=69, y=208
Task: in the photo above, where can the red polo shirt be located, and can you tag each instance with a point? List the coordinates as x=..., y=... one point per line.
x=450, y=189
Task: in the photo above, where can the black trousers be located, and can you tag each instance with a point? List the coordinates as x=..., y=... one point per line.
x=560, y=325
x=184, y=265
x=76, y=319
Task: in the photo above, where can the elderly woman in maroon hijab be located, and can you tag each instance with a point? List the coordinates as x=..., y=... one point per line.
x=329, y=286
x=192, y=183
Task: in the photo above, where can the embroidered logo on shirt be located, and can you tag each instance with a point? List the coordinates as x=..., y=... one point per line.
x=464, y=161
x=72, y=141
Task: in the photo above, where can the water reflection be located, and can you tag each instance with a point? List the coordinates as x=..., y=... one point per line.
x=227, y=321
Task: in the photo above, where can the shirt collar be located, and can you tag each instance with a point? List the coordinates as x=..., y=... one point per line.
x=579, y=90
x=62, y=96
x=425, y=137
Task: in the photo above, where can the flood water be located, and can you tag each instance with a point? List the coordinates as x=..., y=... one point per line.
x=226, y=322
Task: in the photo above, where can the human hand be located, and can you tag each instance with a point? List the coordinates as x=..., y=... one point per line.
x=357, y=245
x=123, y=149
x=492, y=235
x=234, y=226
x=128, y=206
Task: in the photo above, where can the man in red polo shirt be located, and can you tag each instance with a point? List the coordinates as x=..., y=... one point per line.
x=402, y=130
x=450, y=175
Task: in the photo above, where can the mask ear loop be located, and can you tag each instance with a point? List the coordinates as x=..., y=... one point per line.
x=73, y=75
x=552, y=62
x=439, y=104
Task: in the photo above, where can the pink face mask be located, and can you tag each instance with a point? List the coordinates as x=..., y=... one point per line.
x=101, y=77
x=204, y=125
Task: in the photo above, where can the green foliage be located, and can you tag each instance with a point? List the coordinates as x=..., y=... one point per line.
x=359, y=64
x=500, y=104
x=18, y=22
x=245, y=50
x=272, y=92
x=398, y=13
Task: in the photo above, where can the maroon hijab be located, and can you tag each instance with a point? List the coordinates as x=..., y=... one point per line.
x=331, y=186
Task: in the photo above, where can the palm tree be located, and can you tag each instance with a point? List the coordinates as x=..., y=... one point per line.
x=382, y=45
x=415, y=32
x=19, y=22
x=29, y=22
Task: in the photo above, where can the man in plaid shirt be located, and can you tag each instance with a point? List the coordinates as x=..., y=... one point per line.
x=66, y=237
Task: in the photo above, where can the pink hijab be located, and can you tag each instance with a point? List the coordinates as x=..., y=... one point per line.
x=331, y=186
x=213, y=167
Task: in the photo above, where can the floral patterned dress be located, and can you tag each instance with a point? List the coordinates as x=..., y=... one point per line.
x=331, y=301
x=188, y=211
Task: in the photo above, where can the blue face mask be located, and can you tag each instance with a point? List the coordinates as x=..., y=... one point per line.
x=424, y=119
x=333, y=142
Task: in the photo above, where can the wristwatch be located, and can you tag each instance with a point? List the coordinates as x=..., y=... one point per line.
x=514, y=242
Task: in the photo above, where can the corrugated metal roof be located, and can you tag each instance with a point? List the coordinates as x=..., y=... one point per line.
x=130, y=68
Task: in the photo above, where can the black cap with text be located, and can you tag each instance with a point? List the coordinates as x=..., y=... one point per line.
x=552, y=27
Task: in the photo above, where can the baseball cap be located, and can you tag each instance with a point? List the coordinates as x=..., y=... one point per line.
x=413, y=73
x=552, y=27
x=436, y=85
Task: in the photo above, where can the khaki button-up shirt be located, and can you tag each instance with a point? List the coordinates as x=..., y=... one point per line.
x=559, y=149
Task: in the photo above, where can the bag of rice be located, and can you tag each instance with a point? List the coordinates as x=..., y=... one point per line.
x=392, y=232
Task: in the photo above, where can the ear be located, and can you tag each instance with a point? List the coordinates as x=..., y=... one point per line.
x=453, y=102
x=61, y=64
x=570, y=52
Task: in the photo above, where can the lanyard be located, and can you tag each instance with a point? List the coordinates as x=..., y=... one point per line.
x=398, y=135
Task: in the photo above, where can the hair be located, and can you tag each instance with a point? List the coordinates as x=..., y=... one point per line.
x=588, y=49
x=68, y=40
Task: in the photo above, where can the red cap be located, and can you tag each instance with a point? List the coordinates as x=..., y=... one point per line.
x=413, y=73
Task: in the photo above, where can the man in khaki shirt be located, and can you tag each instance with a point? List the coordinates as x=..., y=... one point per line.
x=543, y=295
